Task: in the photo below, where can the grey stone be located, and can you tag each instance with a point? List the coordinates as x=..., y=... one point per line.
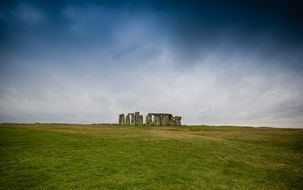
x=178, y=120
x=136, y=118
x=132, y=119
x=140, y=120
x=127, y=119
x=155, y=119
x=122, y=119
x=148, y=120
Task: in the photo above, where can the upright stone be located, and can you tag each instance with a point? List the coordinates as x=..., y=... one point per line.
x=157, y=119
x=132, y=119
x=166, y=119
x=162, y=119
x=172, y=121
x=127, y=119
x=178, y=120
x=148, y=120
x=140, y=120
x=153, y=119
x=136, y=118
x=122, y=119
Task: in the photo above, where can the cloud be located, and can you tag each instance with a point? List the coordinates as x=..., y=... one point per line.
x=88, y=62
x=206, y=93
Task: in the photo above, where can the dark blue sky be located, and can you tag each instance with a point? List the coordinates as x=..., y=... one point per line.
x=214, y=62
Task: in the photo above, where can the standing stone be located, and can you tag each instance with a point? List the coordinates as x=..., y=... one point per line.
x=127, y=119
x=140, y=120
x=178, y=120
x=166, y=120
x=122, y=119
x=157, y=120
x=153, y=119
x=162, y=119
x=172, y=121
x=136, y=118
x=148, y=120
x=132, y=119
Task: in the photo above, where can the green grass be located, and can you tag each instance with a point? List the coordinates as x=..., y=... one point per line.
x=45, y=156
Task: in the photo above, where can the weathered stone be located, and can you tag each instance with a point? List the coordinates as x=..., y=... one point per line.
x=178, y=120
x=132, y=118
x=162, y=119
x=156, y=119
x=140, y=120
x=122, y=119
x=136, y=118
x=165, y=119
x=148, y=120
x=127, y=119
x=172, y=121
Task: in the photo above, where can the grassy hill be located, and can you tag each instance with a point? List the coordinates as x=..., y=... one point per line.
x=55, y=156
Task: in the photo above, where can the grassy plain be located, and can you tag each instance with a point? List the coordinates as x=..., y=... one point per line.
x=60, y=156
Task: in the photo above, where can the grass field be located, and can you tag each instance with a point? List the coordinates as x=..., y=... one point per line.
x=45, y=156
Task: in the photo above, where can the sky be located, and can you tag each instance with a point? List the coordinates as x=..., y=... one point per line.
x=211, y=62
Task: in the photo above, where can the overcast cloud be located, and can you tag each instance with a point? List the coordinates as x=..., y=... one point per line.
x=212, y=63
